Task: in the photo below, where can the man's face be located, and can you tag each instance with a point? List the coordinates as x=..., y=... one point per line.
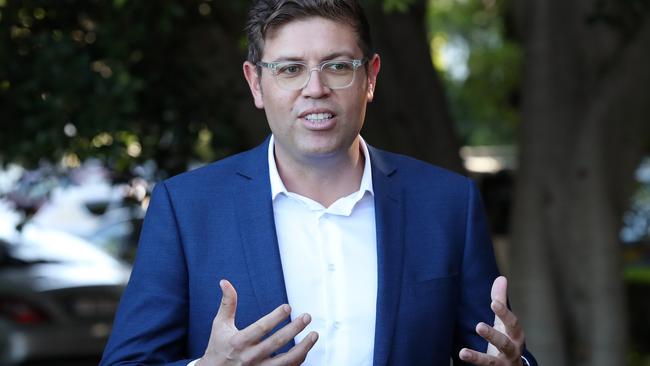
x=295, y=117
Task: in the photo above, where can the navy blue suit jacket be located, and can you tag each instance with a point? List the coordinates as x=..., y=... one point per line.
x=435, y=262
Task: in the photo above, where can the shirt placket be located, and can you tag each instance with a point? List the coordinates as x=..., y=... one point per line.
x=335, y=286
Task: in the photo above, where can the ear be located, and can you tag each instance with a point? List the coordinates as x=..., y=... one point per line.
x=254, y=83
x=373, y=70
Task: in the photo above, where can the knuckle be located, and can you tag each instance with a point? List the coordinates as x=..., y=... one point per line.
x=277, y=341
x=237, y=342
x=286, y=361
x=296, y=324
x=514, y=322
x=246, y=360
x=232, y=357
x=295, y=356
x=488, y=332
x=519, y=338
x=509, y=348
x=301, y=358
x=261, y=328
x=520, y=349
x=293, y=359
x=225, y=302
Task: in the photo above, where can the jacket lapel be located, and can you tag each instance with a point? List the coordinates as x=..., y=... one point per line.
x=389, y=216
x=257, y=227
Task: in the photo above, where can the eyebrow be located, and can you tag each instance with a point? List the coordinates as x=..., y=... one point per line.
x=328, y=57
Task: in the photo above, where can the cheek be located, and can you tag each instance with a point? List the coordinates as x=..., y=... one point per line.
x=278, y=105
x=279, y=110
x=357, y=103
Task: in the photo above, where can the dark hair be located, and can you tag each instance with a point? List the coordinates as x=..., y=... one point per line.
x=267, y=15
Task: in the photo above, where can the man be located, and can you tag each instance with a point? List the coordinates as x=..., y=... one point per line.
x=326, y=251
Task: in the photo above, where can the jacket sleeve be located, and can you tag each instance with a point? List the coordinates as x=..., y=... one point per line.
x=478, y=272
x=150, y=326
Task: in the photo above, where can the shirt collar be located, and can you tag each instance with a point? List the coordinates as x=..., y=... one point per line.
x=277, y=186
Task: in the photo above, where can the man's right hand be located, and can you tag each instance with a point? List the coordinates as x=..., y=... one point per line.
x=230, y=346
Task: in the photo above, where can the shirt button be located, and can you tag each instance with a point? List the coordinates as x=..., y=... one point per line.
x=337, y=325
x=331, y=267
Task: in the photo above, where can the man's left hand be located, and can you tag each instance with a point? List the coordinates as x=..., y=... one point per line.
x=505, y=338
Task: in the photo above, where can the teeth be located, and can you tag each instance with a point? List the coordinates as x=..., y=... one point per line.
x=317, y=117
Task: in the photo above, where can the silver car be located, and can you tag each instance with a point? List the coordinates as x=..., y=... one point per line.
x=58, y=295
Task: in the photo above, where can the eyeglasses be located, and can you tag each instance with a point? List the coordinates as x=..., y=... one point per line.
x=293, y=75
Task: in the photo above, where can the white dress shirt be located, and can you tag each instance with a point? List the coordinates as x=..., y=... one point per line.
x=329, y=261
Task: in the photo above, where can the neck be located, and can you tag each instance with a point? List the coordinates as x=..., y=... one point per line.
x=322, y=179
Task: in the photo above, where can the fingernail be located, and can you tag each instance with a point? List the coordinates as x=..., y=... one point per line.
x=313, y=337
x=306, y=318
x=286, y=308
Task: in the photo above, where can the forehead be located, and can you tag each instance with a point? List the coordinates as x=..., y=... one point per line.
x=311, y=38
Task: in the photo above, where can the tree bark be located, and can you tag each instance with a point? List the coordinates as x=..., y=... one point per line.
x=585, y=111
x=410, y=114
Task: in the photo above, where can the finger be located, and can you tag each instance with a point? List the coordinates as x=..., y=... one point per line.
x=478, y=358
x=500, y=290
x=296, y=355
x=228, y=306
x=283, y=336
x=509, y=320
x=497, y=339
x=265, y=324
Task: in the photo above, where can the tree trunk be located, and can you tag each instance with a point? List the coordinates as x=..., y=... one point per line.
x=410, y=114
x=585, y=119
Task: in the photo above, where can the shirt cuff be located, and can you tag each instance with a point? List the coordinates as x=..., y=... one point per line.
x=197, y=360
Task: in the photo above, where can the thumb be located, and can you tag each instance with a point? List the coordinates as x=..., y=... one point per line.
x=500, y=290
x=228, y=306
x=498, y=293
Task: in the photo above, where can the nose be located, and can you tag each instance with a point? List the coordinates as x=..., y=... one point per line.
x=315, y=87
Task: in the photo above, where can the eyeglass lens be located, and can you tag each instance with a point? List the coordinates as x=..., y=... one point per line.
x=334, y=75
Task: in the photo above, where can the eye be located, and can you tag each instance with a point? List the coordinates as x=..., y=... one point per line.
x=338, y=66
x=290, y=69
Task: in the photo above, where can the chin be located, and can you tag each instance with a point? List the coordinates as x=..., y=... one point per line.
x=320, y=152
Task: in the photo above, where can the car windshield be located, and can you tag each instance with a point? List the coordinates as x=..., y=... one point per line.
x=9, y=257
x=38, y=246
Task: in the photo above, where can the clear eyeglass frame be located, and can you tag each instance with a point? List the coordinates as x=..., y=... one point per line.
x=335, y=74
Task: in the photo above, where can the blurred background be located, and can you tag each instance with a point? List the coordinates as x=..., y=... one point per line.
x=545, y=103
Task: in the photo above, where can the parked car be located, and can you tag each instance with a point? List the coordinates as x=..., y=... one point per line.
x=58, y=296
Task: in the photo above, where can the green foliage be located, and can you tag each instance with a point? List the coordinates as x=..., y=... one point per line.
x=114, y=79
x=636, y=358
x=484, y=94
x=99, y=78
x=639, y=274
